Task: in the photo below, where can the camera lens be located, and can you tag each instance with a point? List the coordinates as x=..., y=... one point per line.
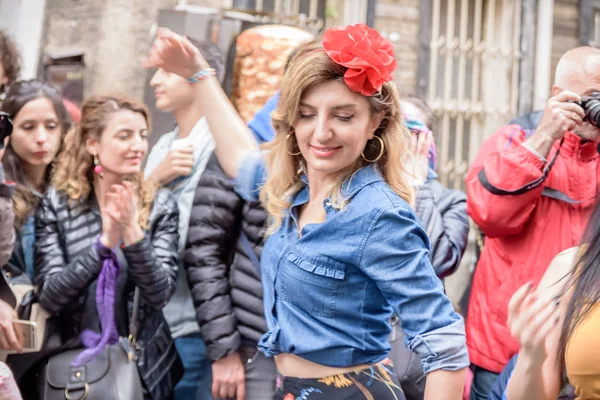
x=592, y=112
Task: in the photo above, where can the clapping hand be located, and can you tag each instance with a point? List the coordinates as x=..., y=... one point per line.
x=120, y=214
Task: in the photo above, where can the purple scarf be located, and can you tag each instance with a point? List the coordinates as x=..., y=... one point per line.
x=105, y=302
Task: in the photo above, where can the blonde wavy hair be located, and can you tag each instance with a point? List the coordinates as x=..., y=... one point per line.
x=73, y=173
x=309, y=67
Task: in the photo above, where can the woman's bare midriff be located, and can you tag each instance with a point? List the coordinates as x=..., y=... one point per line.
x=297, y=367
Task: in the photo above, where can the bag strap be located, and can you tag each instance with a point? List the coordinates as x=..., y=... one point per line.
x=524, y=189
x=247, y=247
x=558, y=195
x=134, y=325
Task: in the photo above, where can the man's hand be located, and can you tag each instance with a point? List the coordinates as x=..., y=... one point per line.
x=229, y=378
x=560, y=115
x=179, y=162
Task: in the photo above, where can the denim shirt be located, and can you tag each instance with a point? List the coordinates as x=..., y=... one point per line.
x=27, y=243
x=329, y=293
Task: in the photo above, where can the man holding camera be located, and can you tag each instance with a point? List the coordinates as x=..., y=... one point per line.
x=531, y=193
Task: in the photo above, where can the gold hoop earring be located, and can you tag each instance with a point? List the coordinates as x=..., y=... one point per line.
x=291, y=154
x=381, y=150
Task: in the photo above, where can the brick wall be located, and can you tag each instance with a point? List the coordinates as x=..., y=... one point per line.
x=398, y=20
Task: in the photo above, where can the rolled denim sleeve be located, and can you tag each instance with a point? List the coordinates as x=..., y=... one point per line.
x=251, y=176
x=395, y=256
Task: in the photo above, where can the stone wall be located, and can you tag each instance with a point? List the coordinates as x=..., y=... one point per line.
x=113, y=34
x=566, y=29
x=398, y=20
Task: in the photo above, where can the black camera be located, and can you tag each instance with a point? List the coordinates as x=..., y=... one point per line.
x=591, y=106
x=6, y=127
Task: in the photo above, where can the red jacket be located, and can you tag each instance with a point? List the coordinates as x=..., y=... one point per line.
x=523, y=232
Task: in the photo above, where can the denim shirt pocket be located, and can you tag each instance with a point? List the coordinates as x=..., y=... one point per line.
x=310, y=282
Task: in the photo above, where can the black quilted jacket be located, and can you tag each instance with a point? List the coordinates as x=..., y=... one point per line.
x=225, y=285
x=67, y=264
x=67, y=267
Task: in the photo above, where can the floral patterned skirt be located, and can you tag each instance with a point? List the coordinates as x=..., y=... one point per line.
x=376, y=382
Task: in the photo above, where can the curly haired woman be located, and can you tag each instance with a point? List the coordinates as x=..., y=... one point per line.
x=344, y=248
x=101, y=232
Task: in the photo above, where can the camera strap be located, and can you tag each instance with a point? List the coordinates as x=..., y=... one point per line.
x=528, y=187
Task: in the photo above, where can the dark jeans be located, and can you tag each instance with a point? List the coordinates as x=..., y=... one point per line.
x=407, y=365
x=482, y=383
x=197, y=377
x=260, y=374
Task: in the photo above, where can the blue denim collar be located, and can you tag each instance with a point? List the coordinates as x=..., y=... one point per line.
x=361, y=178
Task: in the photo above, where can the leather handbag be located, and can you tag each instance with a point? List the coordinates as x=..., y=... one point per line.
x=111, y=375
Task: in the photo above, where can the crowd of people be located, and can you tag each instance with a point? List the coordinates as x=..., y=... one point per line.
x=301, y=255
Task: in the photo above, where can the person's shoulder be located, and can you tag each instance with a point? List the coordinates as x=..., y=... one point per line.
x=378, y=198
x=561, y=266
x=56, y=201
x=513, y=132
x=166, y=138
x=565, y=261
x=54, y=196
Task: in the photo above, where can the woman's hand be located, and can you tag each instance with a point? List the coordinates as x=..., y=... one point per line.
x=110, y=223
x=175, y=54
x=530, y=320
x=126, y=212
x=11, y=337
x=417, y=161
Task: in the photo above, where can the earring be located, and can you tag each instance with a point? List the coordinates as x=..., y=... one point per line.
x=98, y=168
x=291, y=154
x=381, y=150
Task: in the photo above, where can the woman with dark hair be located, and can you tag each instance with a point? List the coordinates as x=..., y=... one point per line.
x=557, y=325
x=102, y=222
x=40, y=121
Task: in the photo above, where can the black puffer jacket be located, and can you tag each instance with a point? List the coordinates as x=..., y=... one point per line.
x=67, y=267
x=225, y=285
x=443, y=213
x=67, y=264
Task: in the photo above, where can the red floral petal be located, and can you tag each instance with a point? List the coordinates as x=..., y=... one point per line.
x=369, y=57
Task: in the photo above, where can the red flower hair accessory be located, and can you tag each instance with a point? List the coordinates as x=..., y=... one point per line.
x=368, y=56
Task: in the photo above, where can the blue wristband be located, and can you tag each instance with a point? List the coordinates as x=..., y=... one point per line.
x=202, y=74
